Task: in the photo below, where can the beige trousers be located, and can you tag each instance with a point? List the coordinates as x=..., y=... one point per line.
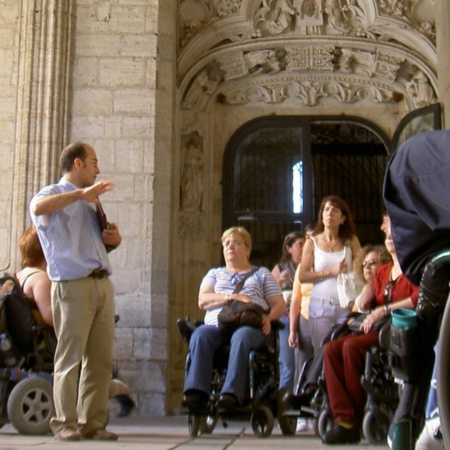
x=83, y=315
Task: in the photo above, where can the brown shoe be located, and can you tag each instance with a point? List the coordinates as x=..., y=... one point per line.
x=101, y=435
x=67, y=434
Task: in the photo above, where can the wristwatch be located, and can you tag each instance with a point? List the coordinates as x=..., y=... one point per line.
x=387, y=309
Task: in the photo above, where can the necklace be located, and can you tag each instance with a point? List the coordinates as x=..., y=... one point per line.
x=330, y=247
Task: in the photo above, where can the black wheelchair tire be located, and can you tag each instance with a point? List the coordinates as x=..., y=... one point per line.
x=376, y=426
x=324, y=422
x=194, y=423
x=208, y=424
x=288, y=425
x=262, y=421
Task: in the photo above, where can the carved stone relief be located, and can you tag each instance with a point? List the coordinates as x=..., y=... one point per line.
x=307, y=17
x=192, y=177
x=311, y=73
x=191, y=226
x=192, y=121
x=383, y=65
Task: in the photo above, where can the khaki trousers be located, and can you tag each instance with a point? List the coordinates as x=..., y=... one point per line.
x=83, y=315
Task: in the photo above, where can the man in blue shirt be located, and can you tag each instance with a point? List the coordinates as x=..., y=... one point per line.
x=75, y=247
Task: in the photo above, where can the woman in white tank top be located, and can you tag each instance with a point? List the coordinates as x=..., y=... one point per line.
x=329, y=252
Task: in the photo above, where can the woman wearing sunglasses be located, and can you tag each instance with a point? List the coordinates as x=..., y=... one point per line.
x=344, y=358
x=367, y=261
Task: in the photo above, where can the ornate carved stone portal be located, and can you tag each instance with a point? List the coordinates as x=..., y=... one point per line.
x=239, y=52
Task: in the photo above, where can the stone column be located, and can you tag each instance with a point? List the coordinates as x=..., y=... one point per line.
x=443, y=52
x=43, y=56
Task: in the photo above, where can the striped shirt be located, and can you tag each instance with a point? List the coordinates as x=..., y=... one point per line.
x=71, y=237
x=259, y=286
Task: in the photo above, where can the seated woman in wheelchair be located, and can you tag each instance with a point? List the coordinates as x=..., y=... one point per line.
x=344, y=358
x=217, y=287
x=33, y=277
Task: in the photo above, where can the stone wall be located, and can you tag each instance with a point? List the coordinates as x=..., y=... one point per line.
x=9, y=14
x=119, y=99
x=101, y=72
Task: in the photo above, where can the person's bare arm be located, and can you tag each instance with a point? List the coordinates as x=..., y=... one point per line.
x=307, y=275
x=294, y=315
x=355, y=246
x=366, y=298
x=41, y=287
x=380, y=312
x=277, y=308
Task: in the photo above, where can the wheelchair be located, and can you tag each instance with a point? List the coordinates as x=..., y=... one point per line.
x=264, y=397
x=26, y=374
x=377, y=380
x=26, y=381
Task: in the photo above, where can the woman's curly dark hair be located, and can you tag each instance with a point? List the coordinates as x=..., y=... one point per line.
x=380, y=250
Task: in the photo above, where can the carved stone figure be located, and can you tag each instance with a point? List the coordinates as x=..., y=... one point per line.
x=420, y=89
x=281, y=17
x=309, y=16
x=202, y=87
x=192, y=181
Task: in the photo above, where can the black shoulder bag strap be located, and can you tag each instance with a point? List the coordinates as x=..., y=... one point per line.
x=241, y=283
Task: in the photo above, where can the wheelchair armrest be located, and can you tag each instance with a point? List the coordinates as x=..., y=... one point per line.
x=337, y=331
x=185, y=329
x=36, y=327
x=384, y=337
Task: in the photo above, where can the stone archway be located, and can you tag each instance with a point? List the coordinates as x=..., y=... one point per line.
x=243, y=59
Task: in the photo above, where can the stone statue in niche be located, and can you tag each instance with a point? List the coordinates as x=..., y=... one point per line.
x=337, y=16
x=202, y=88
x=192, y=180
x=280, y=19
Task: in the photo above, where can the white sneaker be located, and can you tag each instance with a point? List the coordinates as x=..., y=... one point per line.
x=302, y=425
x=431, y=438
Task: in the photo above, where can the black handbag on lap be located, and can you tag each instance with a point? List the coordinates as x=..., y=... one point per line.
x=236, y=314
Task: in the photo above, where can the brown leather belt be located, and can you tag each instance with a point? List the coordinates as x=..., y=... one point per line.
x=98, y=274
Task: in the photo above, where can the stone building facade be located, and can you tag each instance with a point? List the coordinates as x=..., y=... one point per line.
x=159, y=88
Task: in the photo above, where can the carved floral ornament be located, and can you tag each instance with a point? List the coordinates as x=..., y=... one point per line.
x=310, y=74
x=241, y=51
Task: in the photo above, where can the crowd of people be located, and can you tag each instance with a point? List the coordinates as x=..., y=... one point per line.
x=302, y=292
x=66, y=272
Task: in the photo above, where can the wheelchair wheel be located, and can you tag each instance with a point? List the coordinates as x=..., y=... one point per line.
x=376, y=426
x=30, y=406
x=262, y=421
x=324, y=422
x=208, y=424
x=194, y=423
x=288, y=425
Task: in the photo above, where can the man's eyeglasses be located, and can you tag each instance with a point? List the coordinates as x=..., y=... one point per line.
x=227, y=244
x=387, y=293
x=93, y=161
x=369, y=263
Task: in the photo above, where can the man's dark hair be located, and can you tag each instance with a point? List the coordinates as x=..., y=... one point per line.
x=70, y=154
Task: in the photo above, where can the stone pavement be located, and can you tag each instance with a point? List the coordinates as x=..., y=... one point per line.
x=165, y=433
